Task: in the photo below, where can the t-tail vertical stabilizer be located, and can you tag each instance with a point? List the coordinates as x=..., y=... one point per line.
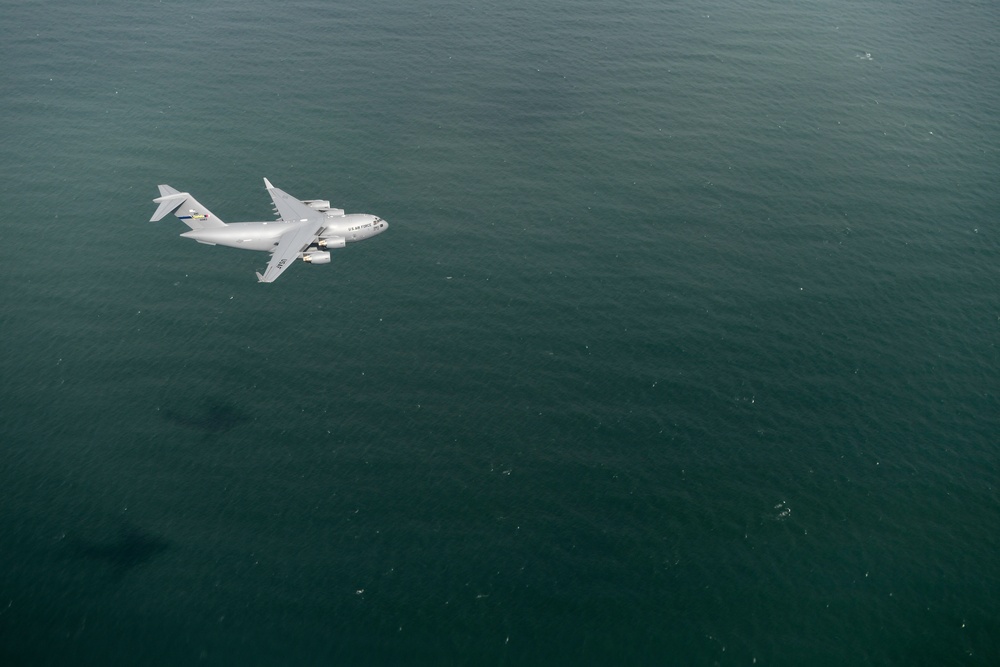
x=185, y=207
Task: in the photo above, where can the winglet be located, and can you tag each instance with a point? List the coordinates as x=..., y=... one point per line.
x=267, y=184
x=260, y=278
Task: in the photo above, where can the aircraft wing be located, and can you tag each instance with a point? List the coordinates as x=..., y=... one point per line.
x=289, y=208
x=291, y=243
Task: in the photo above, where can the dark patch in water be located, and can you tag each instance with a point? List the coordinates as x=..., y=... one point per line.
x=130, y=549
x=212, y=416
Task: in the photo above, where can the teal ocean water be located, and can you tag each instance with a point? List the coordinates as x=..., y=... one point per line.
x=681, y=348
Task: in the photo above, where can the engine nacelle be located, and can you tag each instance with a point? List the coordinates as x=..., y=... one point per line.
x=316, y=258
x=332, y=242
x=318, y=204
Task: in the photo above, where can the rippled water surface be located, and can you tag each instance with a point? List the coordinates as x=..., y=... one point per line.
x=681, y=347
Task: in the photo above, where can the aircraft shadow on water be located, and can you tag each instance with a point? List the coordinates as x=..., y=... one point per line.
x=213, y=416
x=130, y=548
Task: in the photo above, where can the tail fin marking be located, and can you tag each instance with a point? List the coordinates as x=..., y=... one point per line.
x=187, y=209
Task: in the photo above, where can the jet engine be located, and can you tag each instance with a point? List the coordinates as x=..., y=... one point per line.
x=316, y=258
x=332, y=242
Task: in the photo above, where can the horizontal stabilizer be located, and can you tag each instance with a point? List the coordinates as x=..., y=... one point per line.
x=168, y=204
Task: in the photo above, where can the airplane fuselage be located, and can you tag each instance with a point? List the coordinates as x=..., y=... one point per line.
x=338, y=229
x=306, y=229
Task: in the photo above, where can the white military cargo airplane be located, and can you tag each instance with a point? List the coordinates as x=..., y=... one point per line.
x=305, y=229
